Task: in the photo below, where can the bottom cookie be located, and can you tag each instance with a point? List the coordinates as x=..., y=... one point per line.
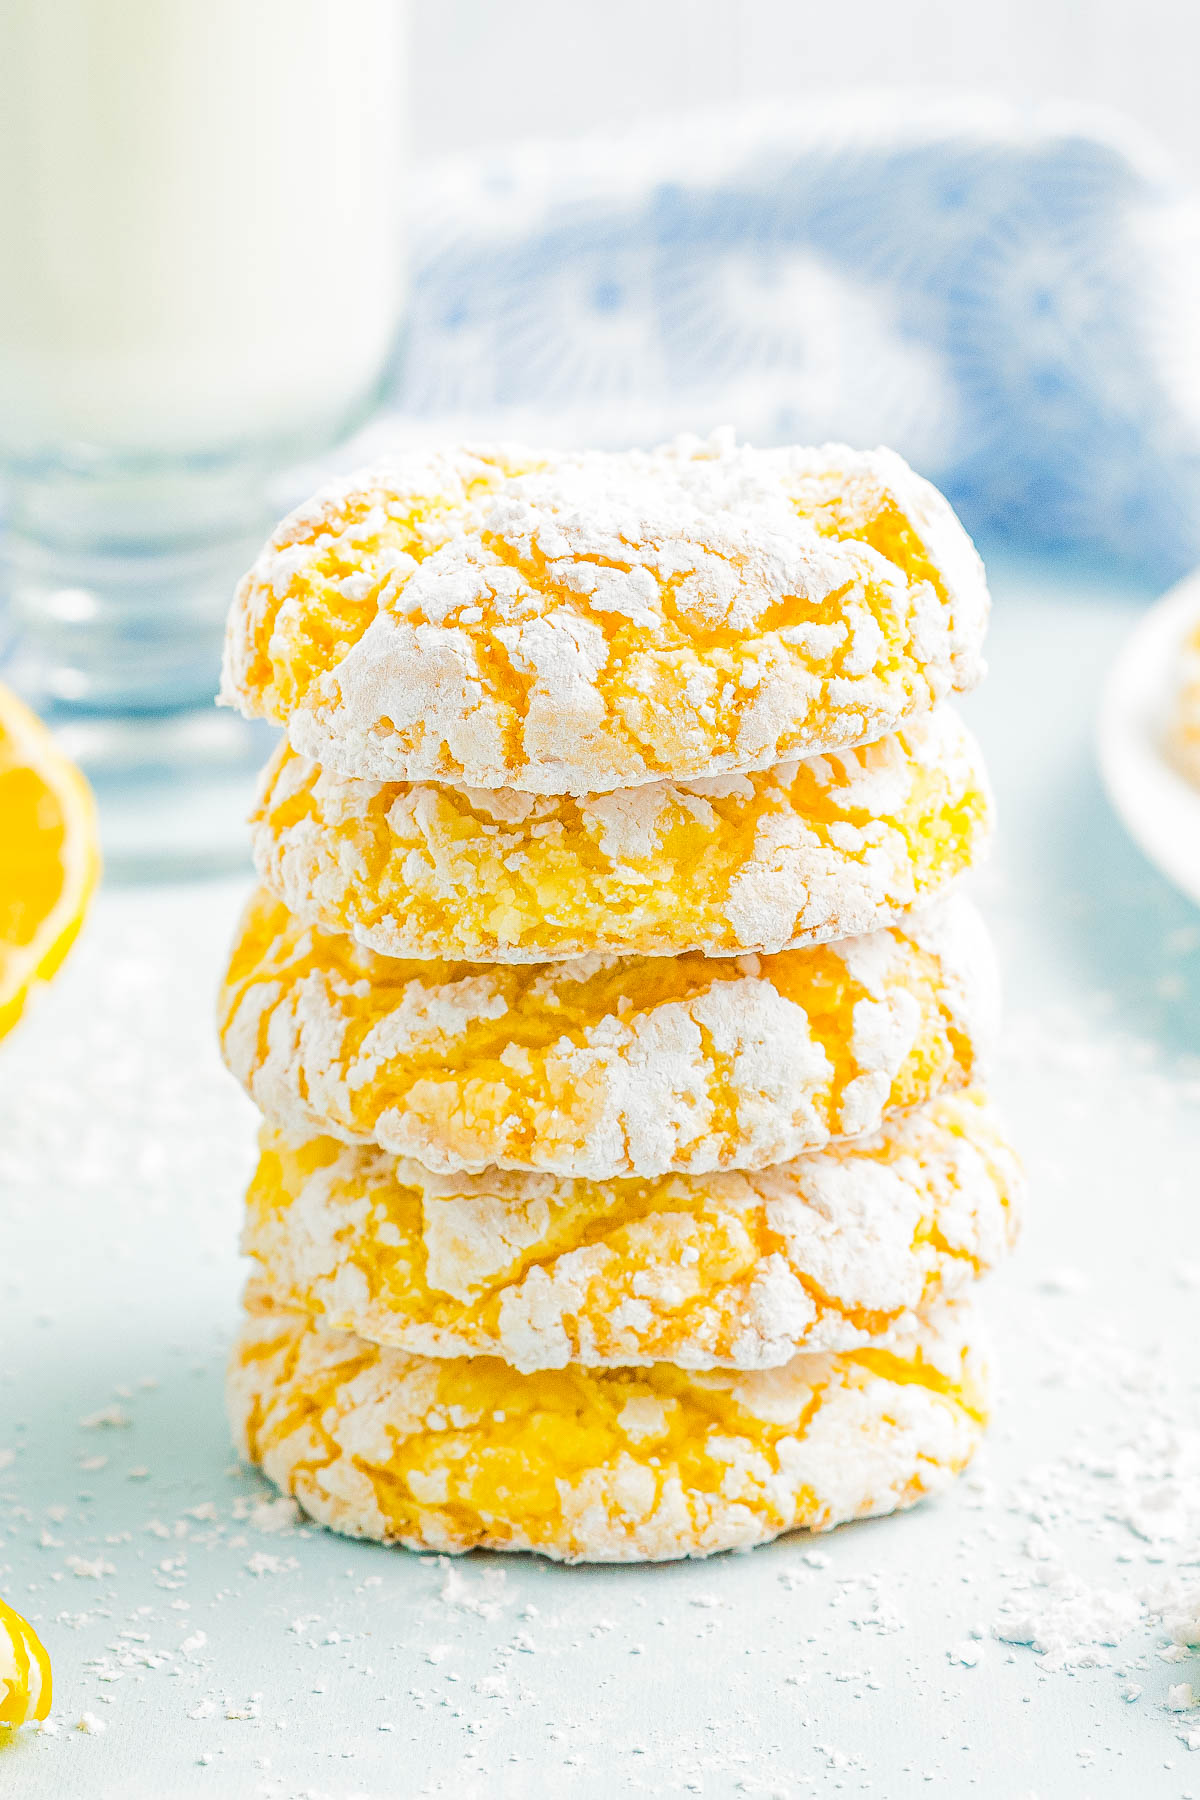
x=601, y=1465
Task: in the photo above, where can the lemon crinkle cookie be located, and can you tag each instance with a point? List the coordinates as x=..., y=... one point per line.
x=821, y=848
x=568, y=623
x=742, y=1270
x=606, y=1066
x=604, y=1465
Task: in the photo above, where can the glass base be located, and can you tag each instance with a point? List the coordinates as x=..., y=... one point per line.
x=118, y=583
x=173, y=790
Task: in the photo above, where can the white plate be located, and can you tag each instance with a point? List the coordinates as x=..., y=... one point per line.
x=1159, y=808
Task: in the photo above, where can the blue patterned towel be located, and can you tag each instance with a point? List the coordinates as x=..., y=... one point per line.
x=1010, y=298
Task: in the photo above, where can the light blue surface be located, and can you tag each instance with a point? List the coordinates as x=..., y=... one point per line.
x=122, y=1146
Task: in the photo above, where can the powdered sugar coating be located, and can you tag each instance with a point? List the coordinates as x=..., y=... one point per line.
x=808, y=851
x=575, y=622
x=621, y=1465
x=605, y=1066
x=739, y=1270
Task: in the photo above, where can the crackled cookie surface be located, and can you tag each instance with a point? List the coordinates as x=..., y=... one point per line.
x=817, y=849
x=569, y=623
x=605, y=1066
x=742, y=1270
x=605, y=1465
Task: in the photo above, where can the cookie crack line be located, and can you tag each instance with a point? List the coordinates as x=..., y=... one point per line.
x=575, y=623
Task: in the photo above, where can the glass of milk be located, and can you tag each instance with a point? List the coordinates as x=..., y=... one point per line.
x=200, y=284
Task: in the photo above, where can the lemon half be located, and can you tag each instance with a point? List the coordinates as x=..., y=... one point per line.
x=49, y=855
x=25, y=1683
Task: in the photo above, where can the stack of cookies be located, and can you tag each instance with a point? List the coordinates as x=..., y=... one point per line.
x=625, y=1176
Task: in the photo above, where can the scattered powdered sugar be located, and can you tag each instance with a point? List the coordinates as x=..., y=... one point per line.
x=1105, y=1569
x=484, y=1593
x=1063, y=1619
x=279, y=1514
x=1135, y=1500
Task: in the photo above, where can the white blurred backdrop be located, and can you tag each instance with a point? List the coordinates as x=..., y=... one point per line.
x=492, y=70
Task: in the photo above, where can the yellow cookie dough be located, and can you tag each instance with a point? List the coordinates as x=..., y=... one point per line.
x=614, y=1465
x=824, y=1253
x=811, y=850
x=567, y=623
x=605, y=1066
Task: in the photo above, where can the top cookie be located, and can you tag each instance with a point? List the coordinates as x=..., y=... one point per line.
x=569, y=623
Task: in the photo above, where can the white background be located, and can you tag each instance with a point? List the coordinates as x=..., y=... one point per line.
x=486, y=71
